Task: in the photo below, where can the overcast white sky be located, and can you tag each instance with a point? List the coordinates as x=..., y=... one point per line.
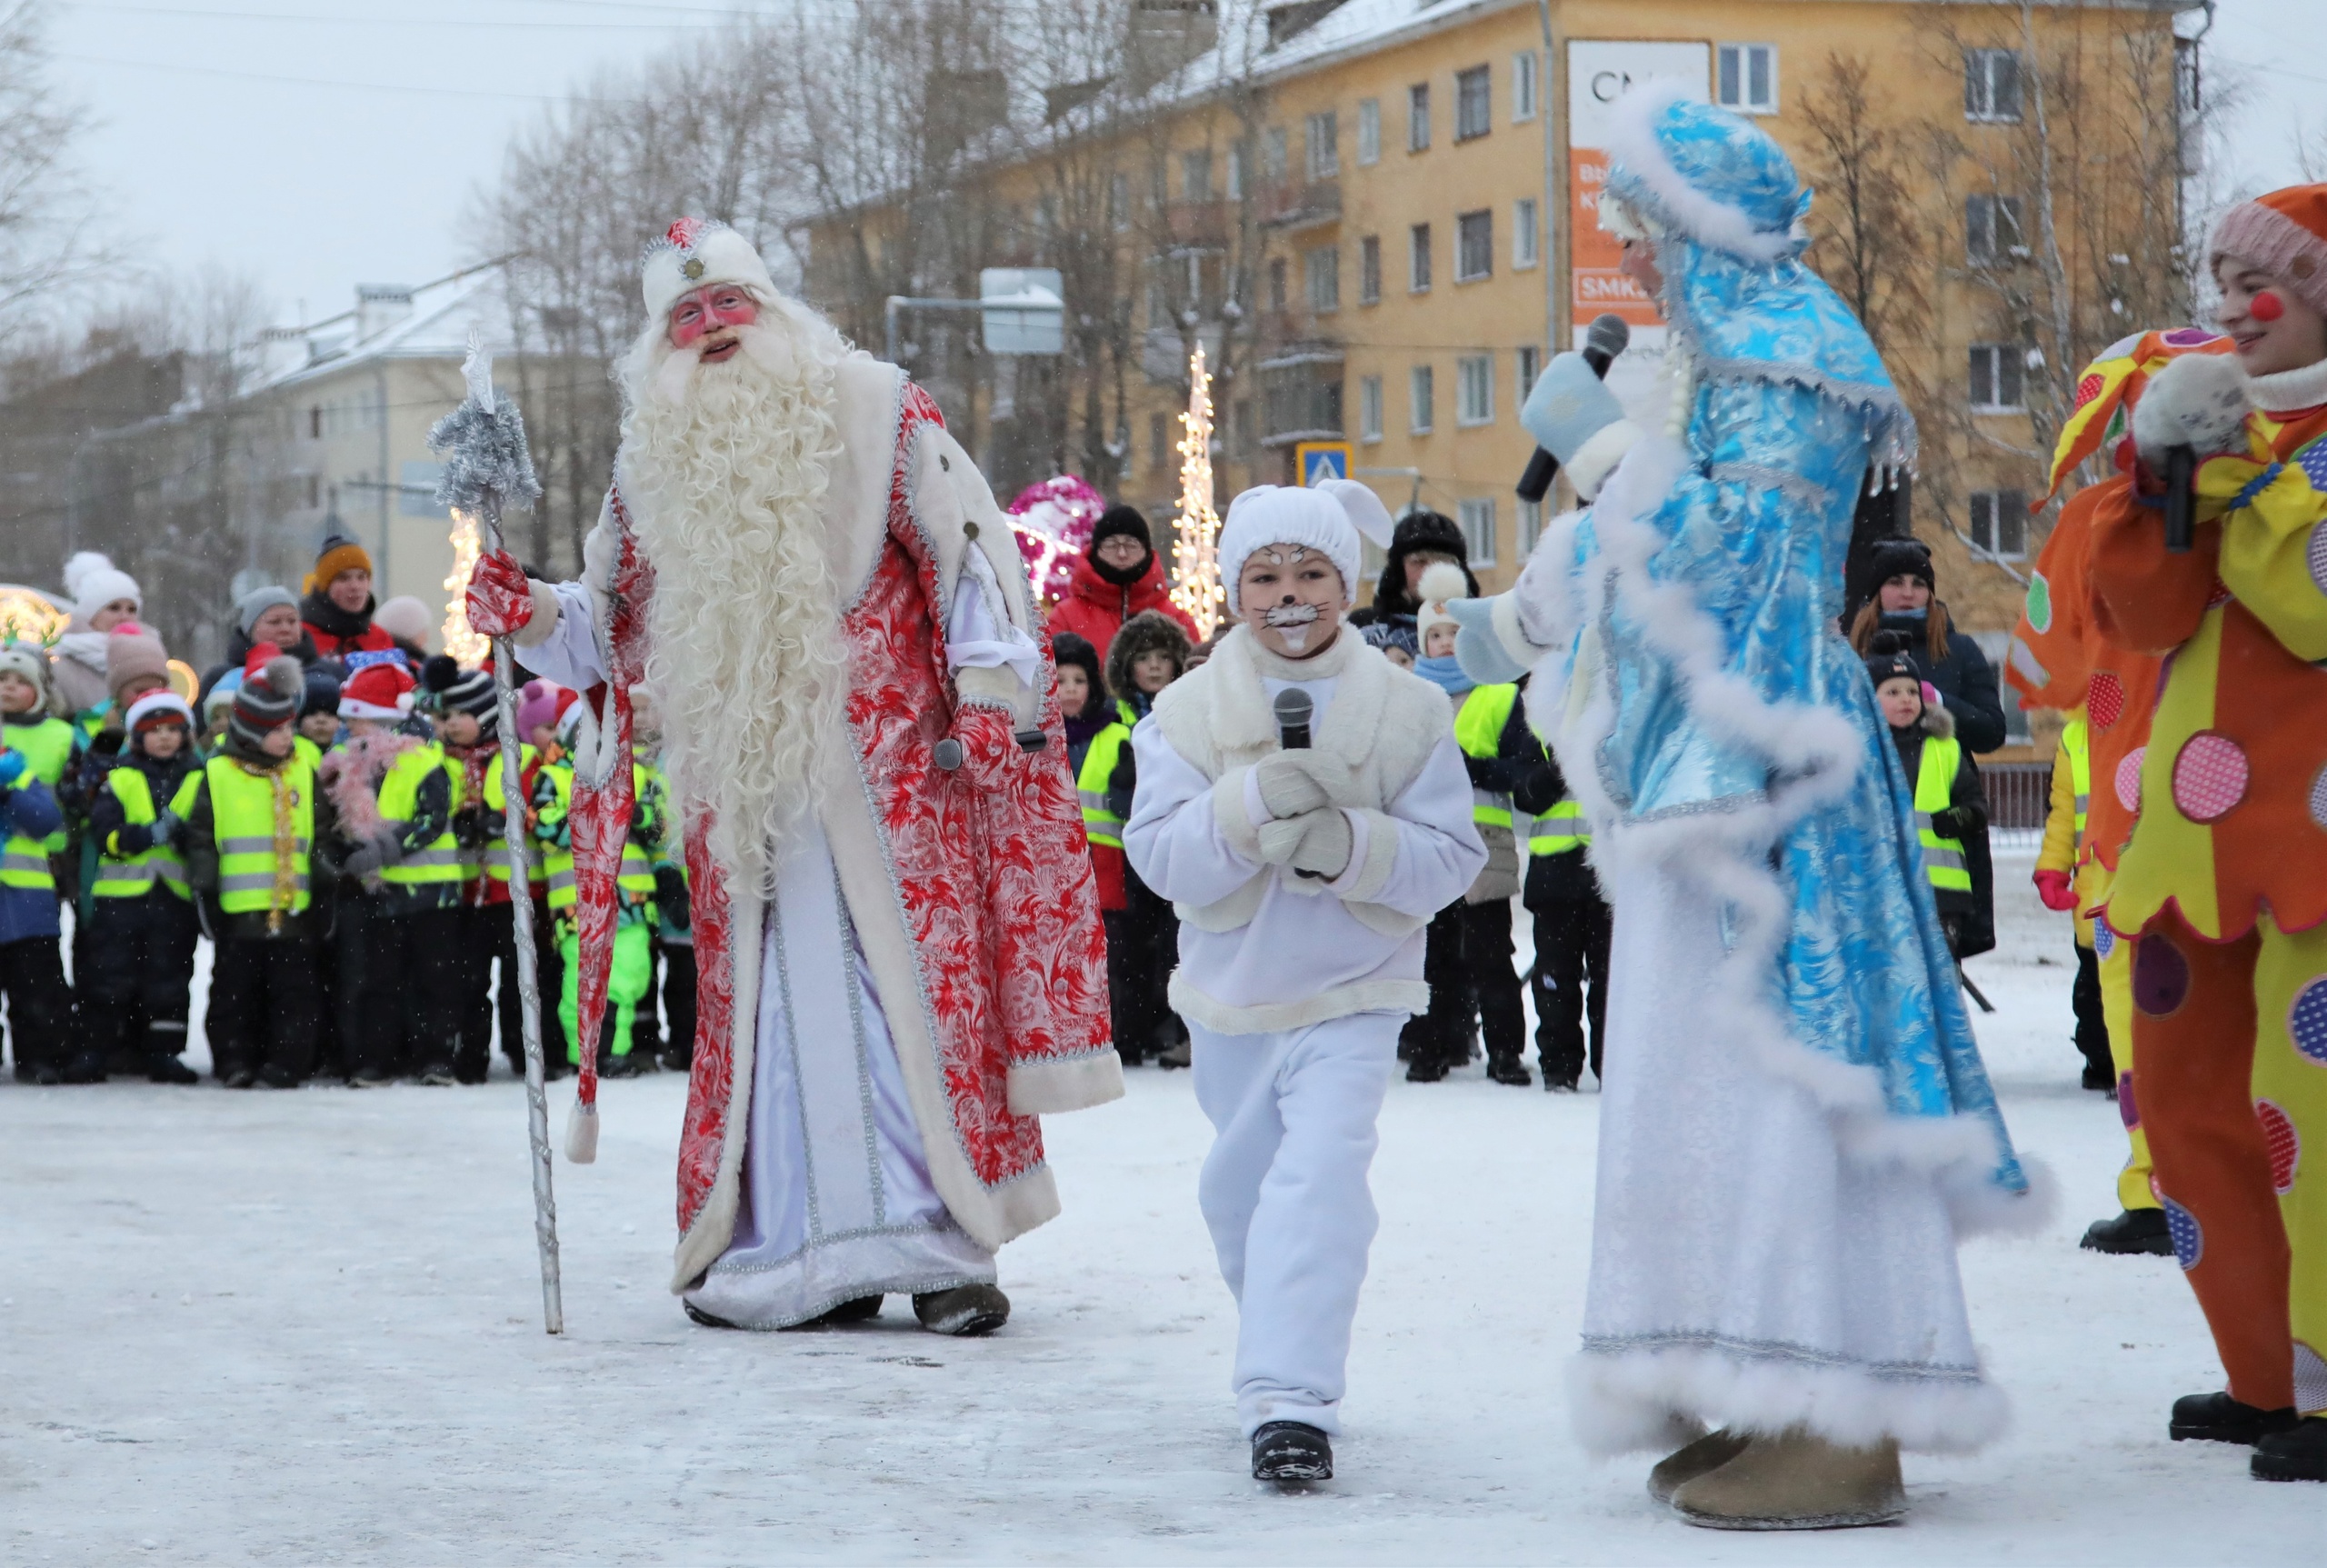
x=320, y=144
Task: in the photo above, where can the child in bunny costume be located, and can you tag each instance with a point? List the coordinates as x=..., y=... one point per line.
x=1303, y=879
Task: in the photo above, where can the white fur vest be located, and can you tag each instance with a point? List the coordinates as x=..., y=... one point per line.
x=1382, y=724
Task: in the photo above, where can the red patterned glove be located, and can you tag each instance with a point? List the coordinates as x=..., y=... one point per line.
x=988, y=739
x=2056, y=890
x=500, y=599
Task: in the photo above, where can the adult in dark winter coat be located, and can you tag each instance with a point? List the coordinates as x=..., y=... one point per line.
x=1951, y=661
x=1420, y=541
x=1951, y=806
x=268, y=614
x=1118, y=575
x=337, y=610
x=1149, y=653
x=1573, y=924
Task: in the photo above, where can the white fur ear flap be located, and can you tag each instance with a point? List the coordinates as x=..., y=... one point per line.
x=582, y=1134
x=1442, y=581
x=1366, y=512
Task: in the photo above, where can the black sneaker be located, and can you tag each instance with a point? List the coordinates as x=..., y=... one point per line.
x=624, y=1066
x=162, y=1069
x=2218, y=1418
x=2135, y=1231
x=436, y=1075
x=2298, y=1453
x=1286, y=1451
x=239, y=1077
x=1426, y=1069
x=369, y=1078
x=964, y=1311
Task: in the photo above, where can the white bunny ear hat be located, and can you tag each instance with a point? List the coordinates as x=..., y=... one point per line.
x=1331, y=518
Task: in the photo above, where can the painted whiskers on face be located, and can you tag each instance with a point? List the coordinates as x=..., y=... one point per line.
x=1291, y=622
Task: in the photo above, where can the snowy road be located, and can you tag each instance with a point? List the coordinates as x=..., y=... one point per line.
x=304, y=1327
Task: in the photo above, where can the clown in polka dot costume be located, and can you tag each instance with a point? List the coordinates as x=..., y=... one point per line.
x=2223, y=883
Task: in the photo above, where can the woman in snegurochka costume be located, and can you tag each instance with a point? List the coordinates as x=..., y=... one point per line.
x=1304, y=878
x=1797, y=1127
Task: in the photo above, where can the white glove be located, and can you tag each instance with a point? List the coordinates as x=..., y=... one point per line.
x=2198, y=401
x=1317, y=841
x=1287, y=788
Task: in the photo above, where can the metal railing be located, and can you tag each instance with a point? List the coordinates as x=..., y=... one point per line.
x=2020, y=795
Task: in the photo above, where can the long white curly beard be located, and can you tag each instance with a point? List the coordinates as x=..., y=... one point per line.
x=725, y=467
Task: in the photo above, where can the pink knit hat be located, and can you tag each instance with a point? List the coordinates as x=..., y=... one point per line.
x=2285, y=234
x=539, y=704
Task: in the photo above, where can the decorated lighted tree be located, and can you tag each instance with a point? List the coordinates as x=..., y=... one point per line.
x=1195, y=556
x=465, y=646
x=1054, y=520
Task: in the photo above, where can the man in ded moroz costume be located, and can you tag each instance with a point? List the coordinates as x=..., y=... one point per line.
x=1797, y=1127
x=896, y=936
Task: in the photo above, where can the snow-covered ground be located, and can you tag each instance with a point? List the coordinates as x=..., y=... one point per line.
x=292, y=1328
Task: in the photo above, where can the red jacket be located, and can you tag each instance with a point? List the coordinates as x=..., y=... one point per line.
x=1095, y=609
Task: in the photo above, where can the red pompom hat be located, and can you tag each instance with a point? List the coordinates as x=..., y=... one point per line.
x=381, y=692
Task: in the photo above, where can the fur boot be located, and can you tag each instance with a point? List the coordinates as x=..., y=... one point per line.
x=1796, y=1480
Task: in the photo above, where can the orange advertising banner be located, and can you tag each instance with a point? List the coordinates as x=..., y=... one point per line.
x=1594, y=253
x=1600, y=71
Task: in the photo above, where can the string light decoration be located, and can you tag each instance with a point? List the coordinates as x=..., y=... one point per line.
x=29, y=615
x=1196, y=587
x=465, y=646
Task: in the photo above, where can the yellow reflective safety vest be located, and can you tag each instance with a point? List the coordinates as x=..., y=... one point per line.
x=1478, y=730
x=549, y=820
x=497, y=807
x=1102, y=825
x=636, y=880
x=1934, y=785
x=307, y=749
x=437, y=861
x=247, y=809
x=2076, y=740
x=133, y=876
x=1558, y=830
x=48, y=750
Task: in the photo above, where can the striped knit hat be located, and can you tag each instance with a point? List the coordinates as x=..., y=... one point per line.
x=268, y=697
x=453, y=690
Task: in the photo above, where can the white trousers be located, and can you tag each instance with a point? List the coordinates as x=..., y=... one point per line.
x=1283, y=1193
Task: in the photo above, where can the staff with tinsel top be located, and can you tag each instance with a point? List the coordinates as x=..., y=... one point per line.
x=487, y=466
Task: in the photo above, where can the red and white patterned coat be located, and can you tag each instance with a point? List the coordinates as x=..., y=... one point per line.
x=971, y=890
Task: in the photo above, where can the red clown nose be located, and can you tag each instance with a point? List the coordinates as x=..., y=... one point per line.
x=2267, y=306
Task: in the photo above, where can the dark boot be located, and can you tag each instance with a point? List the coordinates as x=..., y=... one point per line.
x=2218, y=1418
x=1290, y=1451
x=2298, y=1453
x=2135, y=1231
x=85, y=1067
x=1509, y=1070
x=162, y=1068
x=962, y=1311
x=857, y=1311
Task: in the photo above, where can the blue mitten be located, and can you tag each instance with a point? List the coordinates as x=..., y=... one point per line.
x=12, y=768
x=1569, y=407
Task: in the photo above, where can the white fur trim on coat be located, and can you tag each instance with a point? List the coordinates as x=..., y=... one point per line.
x=1069, y=1083
x=1408, y=996
x=1632, y=141
x=1598, y=457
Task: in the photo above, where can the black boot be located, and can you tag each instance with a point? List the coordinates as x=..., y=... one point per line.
x=1426, y=1067
x=164, y=1068
x=2218, y=1418
x=856, y=1311
x=2298, y=1453
x=85, y=1067
x=963, y=1311
x=2135, y=1231
x=1509, y=1070
x=1292, y=1451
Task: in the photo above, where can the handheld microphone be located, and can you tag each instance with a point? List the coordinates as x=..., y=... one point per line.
x=1607, y=338
x=1293, y=709
x=2180, y=498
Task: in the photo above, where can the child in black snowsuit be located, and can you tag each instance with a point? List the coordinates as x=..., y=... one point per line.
x=1951, y=805
x=1571, y=925
x=1149, y=653
x=137, y=962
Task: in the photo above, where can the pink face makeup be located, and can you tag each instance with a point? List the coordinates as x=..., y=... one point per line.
x=718, y=309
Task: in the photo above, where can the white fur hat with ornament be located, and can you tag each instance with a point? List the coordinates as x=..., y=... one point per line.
x=1329, y=519
x=1443, y=582
x=696, y=252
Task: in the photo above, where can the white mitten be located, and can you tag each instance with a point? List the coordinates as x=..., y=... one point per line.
x=1287, y=788
x=2198, y=401
x=1325, y=845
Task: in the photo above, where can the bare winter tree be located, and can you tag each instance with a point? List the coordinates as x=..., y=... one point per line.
x=48, y=239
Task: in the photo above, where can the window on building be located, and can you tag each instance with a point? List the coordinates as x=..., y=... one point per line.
x=1369, y=270
x=1473, y=246
x=1369, y=408
x=1276, y=282
x=1321, y=276
x=1528, y=360
x=1474, y=389
x=1241, y=426
x=1157, y=179
x=1159, y=303
x=1418, y=259
x=1992, y=85
x=1323, y=145
x=1422, y=399
x=315, y=423
x=1995, y=378
x=1272, y=146
x=1745, y=76
x=1418, y=117
x=1473, y=103
x=1477, y=518
x=1999, y=523
x=1195, y=175
x=1522, y=87
x=1991, y=231
x=1524, y=240
x=1531, y=526
x=1369, y=132
x=1159, y=442
x=1240, y=154
x=1118, y=203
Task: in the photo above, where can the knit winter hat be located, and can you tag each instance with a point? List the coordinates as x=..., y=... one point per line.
x=339, y=553
x=133, y=652
x=24, y=660
x=539, y=704
x=1886, y=659
x=1440, y=582
x=267, y=699
x=1066, y=648
x=1120, y=520
x=696, y=253
x=1327, y=518
x=157, y=708
x=2285, y=234
x=319, y=694
x=1901, y=558
x=95, y=582
x=405, y=617
x=381, y=692
x=258, y=602
x=453, y=690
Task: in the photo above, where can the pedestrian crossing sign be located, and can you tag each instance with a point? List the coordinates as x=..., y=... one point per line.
x=1318, y=461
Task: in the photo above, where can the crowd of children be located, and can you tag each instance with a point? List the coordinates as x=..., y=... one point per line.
x=333, y=817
